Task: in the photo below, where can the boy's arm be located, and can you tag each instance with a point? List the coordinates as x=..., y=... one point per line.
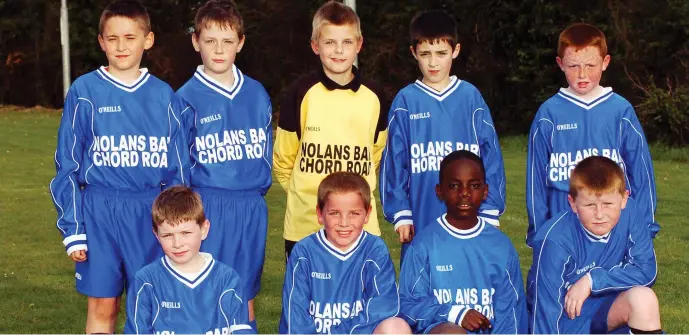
x=381, y=128
x=286, y=139
x=268, y=147
x=394, y=171
x=380, y=293
x=540, y=137
x=639, y=168
x=142, y=305
x=234, y=308
x=638, y=268
x=551, y=264
x=180, y=156
x=509, y=302
x=64, y=188
x=494, y=205
x=296, y=297
x=418, y=303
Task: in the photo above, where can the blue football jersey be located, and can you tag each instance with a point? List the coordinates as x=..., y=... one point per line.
x=566, y=130
x=112, y=135
x=448, y=271
x=163, y=300
x=565, y=251
x=424, y=126
x=328, y=291
x=224, y=136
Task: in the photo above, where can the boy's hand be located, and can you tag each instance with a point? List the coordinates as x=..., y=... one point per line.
x=78, y=255
x=473, y=321
x=576, y=295
x=406, y=233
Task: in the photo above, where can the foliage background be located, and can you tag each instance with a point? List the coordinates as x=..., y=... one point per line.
x=508, y=50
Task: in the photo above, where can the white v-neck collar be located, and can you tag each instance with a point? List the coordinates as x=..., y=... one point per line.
x=143, y=77
x=229, y=92
x=444, y=93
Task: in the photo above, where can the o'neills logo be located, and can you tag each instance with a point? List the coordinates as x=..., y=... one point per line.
x=567, y=126
x=110, y=109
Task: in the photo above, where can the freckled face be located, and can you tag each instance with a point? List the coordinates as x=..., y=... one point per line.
x=599, y=213
x=583, y=68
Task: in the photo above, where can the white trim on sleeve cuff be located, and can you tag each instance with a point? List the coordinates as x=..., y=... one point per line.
x=493, y=222
x=399, y=214
x=77, y=247
x=403, y=223
x=72, y=238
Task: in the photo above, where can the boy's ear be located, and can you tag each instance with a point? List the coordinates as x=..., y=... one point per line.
x=101, y=42
x=368, y=214
x=485, y=191
x=625, y=197
x=455, y=52
x=606, y=62
x=195, y=42
x=241, y=43
x=572, y=203
x=319, y=214
x=437, y=192
x=314, y=46
x=413, y=52
x=205, y=228
x=359, y=44
x=558, y=60
x=149, y=39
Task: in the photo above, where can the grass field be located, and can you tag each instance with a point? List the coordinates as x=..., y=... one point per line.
x=37, y=279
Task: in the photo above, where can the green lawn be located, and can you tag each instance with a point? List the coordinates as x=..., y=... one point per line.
x=37, y=279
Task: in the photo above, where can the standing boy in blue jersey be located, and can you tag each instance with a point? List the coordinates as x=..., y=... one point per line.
x=185, y=291
x=429, y=119
x=111, y=160
x=593, y=265
x=340, y=280
x=584, y=120
x=224, y=144
x=461, y=274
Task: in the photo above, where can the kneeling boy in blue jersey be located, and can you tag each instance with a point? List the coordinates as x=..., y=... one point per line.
x=593, y=265
x=186, y=291
x=462, y=274
x=341, y=278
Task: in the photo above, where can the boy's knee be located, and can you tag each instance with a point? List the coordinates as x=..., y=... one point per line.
x=104, y=308
x=642, y=298
x=393, y=325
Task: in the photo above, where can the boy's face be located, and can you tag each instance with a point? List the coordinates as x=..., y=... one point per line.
x=463, y=189
x=343, y=217
x=583, y=69
x=218, y=48
x=124, y=41
x=598, y=213
x=435, y=61
x=337, y=47
x=182, y=242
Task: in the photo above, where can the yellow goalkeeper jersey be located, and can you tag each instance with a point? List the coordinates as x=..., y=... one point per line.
x=325, y=127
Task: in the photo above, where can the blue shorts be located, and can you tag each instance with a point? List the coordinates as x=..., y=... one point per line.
x=599, y=322
x=237, y=237
x=120, y=239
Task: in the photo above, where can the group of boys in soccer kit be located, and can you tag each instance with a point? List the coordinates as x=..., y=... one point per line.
x=161, y=193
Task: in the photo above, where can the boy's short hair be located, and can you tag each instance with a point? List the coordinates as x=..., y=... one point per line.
x=335, y=13
x=580, y=36
x=223, y=13
x=433, y=26
x=177, y=204
x=344, y=182
x=458, y=156
x=597, y=174
x=131, y=9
